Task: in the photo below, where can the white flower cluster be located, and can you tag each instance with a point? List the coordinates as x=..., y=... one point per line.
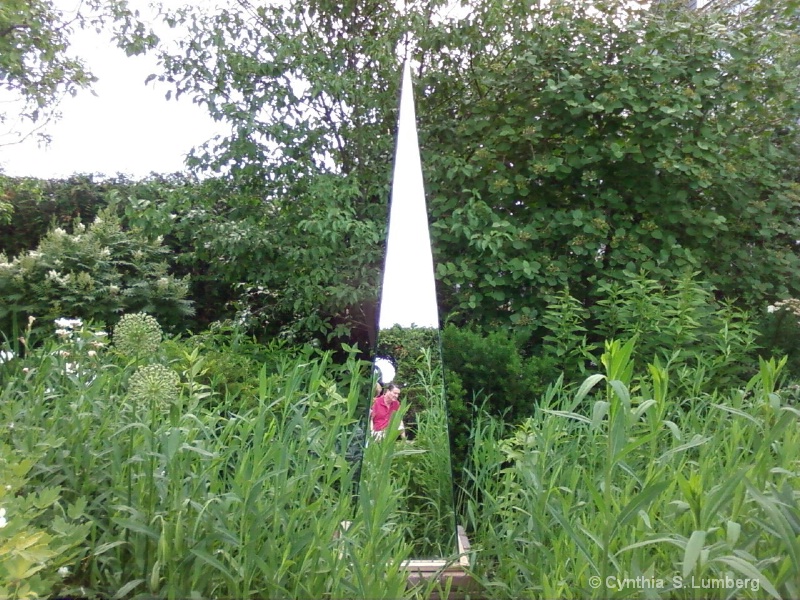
x=791, y=305
x=53, y=275
x=3, y=521
x=67, y=326
x=71, y=331
x=5, y=356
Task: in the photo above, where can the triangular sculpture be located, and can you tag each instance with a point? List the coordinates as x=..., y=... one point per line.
x=409, y=330
x=408, y=298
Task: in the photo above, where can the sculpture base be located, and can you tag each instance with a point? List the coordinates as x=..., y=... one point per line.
x=453, y=578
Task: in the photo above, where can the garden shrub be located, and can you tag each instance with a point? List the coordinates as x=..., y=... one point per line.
x=680, y=323
x=36, y=205
x=95, y=273
x=780, y=332
x=494, y=367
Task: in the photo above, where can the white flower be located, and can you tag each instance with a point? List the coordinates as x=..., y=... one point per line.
x=68, y=323
x=8, y=488
x=5, y=356
x=63, y=571
x=92, y=353
x=63, y=332
x=3, y=521
x=771, y=309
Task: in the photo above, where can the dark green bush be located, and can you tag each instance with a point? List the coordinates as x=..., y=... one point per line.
x=40, y=204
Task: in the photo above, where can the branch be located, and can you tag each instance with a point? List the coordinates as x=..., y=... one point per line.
x=7, y=30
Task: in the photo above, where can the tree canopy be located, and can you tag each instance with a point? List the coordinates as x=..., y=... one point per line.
x=565, y=144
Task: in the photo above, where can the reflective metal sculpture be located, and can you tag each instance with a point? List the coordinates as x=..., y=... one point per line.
x=409, y=356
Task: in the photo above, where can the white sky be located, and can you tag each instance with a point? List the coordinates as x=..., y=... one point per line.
x=127, y=128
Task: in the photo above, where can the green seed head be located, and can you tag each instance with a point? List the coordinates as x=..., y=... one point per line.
x=154, y=383
x=138, y=334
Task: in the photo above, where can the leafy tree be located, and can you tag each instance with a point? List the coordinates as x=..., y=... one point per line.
x=565, y=143
x=600, y=139
x=311, y=117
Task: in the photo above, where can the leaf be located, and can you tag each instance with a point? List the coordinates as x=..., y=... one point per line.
x=599, y=412
x=748, y=570
x=692, y=551
x=587, y=386
x=213, y=562
x=639, y=503
x=788, y=536
x=697, y=440
x=128, y=588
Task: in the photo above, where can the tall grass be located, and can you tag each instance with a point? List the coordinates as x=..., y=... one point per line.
x=190, y=495
x=423, y=469
x=188, y=490
x=623, y=489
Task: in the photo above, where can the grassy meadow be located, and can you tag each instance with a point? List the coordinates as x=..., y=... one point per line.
x=134, y=465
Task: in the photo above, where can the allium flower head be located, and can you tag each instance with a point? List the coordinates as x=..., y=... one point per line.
x=137, y=334
x=154, y=383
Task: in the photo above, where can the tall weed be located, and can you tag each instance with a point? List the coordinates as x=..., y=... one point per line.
x=622, y=484
x=192, y=491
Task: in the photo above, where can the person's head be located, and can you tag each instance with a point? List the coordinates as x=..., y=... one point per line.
x=392, y=391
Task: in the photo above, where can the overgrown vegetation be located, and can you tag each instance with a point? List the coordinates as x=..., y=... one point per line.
x=628, y=486
x=95, y=273
x=614, y=198
x=175, y=477
x=565, y=145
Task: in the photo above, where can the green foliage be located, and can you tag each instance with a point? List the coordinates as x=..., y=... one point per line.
x=37, y=68
x=596, y=139
x=236, y=496
x=780, y=332
x=246, y=494
x=223, y=361
x=423, y=469
x=489, y=372
x=407, y=346
x=37, y=205
x=620, y=480
x=680, y=323
x=34, y=40
x=662, y=139
x=94, y=273
x=41, y=537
